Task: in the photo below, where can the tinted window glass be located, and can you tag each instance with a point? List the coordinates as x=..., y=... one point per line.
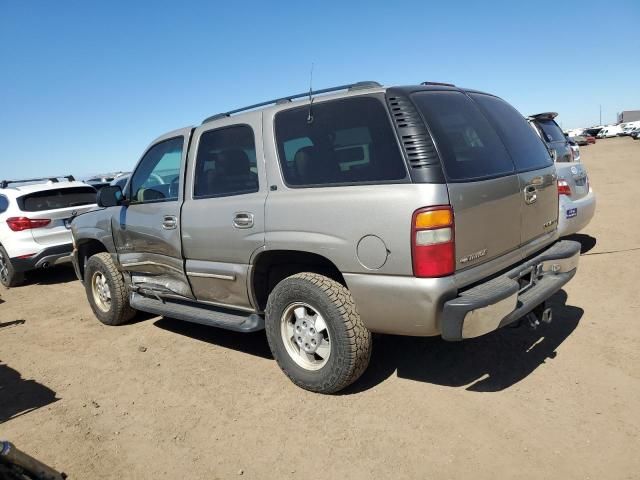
x=4, y=203
x=157, y=176
x=61, y=198
x=526, y=149
x=226, y=163
x=349, y=141
x=469, y=146
x=551, y=131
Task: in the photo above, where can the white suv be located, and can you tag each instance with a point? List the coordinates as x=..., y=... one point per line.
x=35, y=218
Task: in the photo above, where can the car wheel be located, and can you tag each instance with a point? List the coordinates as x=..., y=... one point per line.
x=106, y=290
x=315, y=333
x=8, y=276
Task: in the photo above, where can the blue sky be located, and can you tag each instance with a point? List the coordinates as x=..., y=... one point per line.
x=85, y=86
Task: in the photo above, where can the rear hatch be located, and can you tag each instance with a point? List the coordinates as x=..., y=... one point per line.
x=499, y=174
x=575, y=175
x=555, y=139
x=58, y=205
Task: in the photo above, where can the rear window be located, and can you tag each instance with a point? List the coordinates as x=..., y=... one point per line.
x=55, y=199
x=347, y=141
x=469, y=146
x=551, y=131
x=526, y=149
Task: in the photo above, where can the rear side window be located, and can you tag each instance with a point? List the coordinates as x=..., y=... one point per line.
x=527, y=150
x=226, y=163
x=4, y=204
x=55, y=199
x=469, y=146
x=551, y=131
x=348, y=141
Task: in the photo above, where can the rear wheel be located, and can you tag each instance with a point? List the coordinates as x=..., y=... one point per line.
x=8, y=276
x=106, y=291
x=316, y=334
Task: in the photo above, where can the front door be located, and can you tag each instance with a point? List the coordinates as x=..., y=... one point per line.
x=147, y=230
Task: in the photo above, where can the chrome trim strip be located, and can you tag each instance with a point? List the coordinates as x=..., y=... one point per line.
x=212, y=275
x=157, y=264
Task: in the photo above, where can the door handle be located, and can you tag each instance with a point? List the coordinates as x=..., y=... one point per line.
x=243, y=220
x=169, y=222
x=530, y=194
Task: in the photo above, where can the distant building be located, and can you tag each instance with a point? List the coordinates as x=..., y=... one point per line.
x=629, y=116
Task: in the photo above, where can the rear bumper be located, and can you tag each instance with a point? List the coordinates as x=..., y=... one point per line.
x=584, y=210
x=45, y=258
x=503, y=300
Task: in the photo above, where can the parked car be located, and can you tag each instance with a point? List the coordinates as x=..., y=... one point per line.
x=422, y=210
x=120, y=180
x=580, y=140
x=590, y=140
x=576, y=199
x=610, y=131
x=592, y=131
x=35, y=218
x=635, y=133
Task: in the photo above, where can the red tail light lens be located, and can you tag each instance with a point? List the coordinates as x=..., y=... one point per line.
x=432, y=242
x=17, y=224
x=563, y=187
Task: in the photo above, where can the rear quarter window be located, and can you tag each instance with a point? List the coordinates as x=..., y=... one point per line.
x=57, y=199
x=4, y=204
x=526, y=148
x=468, y=145
x=348, y=141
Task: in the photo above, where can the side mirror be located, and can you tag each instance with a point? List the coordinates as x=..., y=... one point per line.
x=110, y=196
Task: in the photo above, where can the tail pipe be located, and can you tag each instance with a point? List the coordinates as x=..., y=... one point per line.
x=16, y=460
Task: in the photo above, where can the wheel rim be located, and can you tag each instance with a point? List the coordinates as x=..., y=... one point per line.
x=4, y=269
x=305, y=336
x=101, y=291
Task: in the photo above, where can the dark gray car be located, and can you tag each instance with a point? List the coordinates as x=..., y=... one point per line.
x=419, y=210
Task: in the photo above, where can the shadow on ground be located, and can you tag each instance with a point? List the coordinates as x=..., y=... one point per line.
x=11, y=323
x=19, y=396
x=587, y=242
x=489, y=363
x=250, y=343
x=51, y=276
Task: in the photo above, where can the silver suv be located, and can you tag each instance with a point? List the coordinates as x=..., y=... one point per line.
x=420, y=210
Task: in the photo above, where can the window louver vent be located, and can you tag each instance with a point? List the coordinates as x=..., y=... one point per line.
x=416, y=141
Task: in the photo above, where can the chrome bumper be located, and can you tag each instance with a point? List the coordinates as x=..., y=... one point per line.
x=509, y=297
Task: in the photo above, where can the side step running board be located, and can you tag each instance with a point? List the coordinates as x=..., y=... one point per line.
x=203, y=314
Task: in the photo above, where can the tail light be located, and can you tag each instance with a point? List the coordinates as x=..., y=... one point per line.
x=432, y=242
x=563, y=187
x=17, y=224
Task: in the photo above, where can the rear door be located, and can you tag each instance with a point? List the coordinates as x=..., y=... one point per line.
x=223, y=213
x=484, y=188
x=147, y=230
x=59, y=205
x=536, y=173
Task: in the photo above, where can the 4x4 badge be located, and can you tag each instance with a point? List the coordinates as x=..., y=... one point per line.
x=473, y=256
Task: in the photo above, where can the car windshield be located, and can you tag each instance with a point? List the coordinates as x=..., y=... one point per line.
x=551, y=131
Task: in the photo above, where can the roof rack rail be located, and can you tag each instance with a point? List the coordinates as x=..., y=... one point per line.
x=6, y=183
x=438, y=83
x=288, y=98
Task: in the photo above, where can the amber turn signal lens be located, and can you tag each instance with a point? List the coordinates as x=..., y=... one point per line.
x=434, y=219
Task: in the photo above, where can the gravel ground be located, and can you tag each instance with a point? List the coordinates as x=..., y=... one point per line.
x=164, y=399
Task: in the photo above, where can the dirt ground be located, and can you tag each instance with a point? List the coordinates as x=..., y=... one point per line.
x=165, y=399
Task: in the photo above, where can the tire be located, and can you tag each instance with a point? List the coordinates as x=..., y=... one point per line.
x=342, y=342
x=110, y=305
x=8, y=276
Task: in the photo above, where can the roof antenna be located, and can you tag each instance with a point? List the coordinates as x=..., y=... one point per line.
x=310, y=115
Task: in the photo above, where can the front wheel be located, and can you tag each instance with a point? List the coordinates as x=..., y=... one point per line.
x=315, y=333
x=106, y=291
